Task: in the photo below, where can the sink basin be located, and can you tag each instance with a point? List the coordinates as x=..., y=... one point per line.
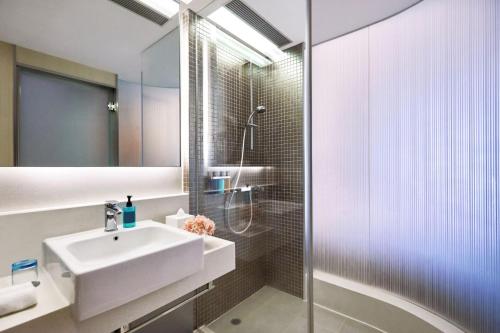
x=98, y=271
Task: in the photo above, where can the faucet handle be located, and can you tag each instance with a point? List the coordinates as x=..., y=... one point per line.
x=111, y=203
x=111, y=210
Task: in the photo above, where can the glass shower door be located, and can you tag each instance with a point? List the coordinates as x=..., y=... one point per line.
x=246, y=169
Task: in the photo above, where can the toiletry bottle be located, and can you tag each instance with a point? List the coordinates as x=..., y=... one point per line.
x=212, y=182
x=222, y=182
x=216, y=183
x=129, y=214
x=209, y=182
x=227, y=182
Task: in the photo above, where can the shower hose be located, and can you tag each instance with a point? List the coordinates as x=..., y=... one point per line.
x=238, y=232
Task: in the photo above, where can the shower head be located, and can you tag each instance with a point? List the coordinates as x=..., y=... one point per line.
x=260, y=109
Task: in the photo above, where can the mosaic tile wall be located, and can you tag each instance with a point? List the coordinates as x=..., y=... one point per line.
x=280, y=143
x=270, y=252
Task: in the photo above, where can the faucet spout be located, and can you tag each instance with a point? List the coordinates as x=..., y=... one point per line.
x=111, y=212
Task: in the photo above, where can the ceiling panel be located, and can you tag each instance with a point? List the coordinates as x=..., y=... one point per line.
x=331, y=18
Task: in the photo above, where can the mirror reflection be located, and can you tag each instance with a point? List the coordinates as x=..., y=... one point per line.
x=102, y=91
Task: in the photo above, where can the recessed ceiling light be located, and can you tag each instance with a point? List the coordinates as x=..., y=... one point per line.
x=165, y=7
x=235, y=25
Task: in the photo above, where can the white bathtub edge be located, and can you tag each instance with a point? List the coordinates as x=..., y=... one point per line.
x=389, y=298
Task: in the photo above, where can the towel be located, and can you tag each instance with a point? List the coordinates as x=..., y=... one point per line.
x=17, y=298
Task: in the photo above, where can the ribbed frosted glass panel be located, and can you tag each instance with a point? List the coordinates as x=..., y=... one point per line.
x=340, y=150
x=160, y=140
x=433, y=126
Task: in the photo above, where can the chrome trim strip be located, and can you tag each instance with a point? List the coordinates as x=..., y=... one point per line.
x=308, y=196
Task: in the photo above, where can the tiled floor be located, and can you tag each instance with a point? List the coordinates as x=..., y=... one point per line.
x=273, y=311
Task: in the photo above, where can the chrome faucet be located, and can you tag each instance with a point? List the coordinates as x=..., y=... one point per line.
x=111, y=212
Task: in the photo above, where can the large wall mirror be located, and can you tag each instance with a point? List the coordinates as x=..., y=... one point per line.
x=102, y=91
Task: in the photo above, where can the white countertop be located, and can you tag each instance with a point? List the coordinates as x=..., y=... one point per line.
x=49, y=300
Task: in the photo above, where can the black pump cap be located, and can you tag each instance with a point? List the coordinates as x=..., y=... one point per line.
x=129, y=202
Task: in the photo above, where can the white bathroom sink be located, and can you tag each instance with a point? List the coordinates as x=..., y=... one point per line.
x=98, y=270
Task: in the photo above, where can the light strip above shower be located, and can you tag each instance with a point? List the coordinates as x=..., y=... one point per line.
x=239, y=48
x=226, y=19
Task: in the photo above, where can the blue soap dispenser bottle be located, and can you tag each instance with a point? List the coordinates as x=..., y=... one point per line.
x=129, y=214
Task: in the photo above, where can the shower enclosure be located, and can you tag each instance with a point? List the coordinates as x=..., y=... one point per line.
x=405, y=140
x=246, y=174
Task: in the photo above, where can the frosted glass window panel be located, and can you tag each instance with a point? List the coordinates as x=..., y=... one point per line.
x=160, y=102
x=130, y=124
x=341, y=153
x=434, y=145
x=433, y=150
x=161, y=130
x=64, y=122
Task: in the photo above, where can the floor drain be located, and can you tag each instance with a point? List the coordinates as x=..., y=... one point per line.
x=235, y=321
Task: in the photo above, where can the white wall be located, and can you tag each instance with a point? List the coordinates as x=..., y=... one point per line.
x=48, y=188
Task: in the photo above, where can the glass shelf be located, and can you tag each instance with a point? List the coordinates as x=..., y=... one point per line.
x=238, y=189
